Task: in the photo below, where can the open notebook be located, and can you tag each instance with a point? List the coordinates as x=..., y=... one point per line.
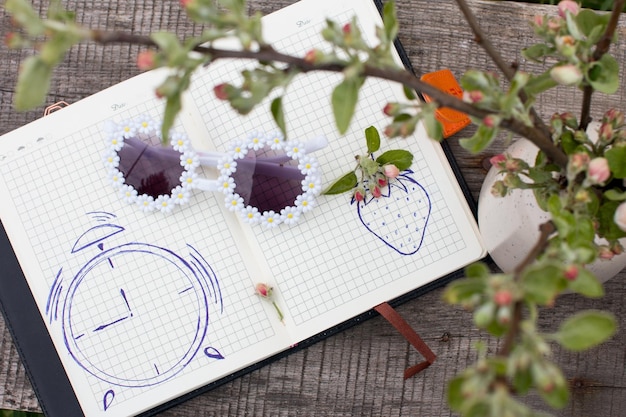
x=143, y=308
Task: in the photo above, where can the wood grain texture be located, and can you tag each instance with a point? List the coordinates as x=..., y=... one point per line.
x=357, y=372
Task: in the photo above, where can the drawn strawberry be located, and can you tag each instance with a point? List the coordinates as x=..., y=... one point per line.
x=399, y=216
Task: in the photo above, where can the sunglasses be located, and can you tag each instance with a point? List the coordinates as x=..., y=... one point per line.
x=264, y=178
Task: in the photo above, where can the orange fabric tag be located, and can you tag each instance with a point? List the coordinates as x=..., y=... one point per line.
x=452, y=120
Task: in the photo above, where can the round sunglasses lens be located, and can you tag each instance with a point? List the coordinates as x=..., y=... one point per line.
x=150, y=169
x=268, y=180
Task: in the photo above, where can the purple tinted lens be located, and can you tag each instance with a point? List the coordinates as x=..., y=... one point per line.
x=152, y=170
x=268, y=180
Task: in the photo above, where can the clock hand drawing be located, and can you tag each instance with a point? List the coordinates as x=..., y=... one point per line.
x=135, y=314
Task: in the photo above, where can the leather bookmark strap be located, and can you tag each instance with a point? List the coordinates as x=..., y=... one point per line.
x=410, y=335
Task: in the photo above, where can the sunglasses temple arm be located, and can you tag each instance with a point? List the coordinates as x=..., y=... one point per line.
x=207, y=185
x=317, y=143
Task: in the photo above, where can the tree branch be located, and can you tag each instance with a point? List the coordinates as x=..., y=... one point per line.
x=268, y=54
x=509, y=73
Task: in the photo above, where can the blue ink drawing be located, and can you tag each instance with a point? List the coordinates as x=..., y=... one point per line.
x=135, y=314
x=400, y=216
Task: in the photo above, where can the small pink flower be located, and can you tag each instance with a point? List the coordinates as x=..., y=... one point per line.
x=571, y=272
x=381, y=182
x=347, y=28
x=376, y=192
x=145, y=60
x=538, y=19
x=391, y=171
x=605, y=133
x=620, y=216
x=498, y=160
x=598, y=170
x=614, y=116
x=503, y=298
x=475, y=96
x=568, y=6
x=263, y=290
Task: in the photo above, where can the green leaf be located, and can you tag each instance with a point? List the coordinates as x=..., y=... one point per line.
x=482, y=138
x=173, y=105
x=587, y=284
x=615, y=195
x=585, y=330
x=408, y=93
x=433, y=127
x=456, y=399
x=464, y=289
x=23, y=12
x=542, y=283
x=390, y=22
x=343, y=184
x=539, y=84
x=278, y=114
x=536, y=52
x=603, y=75
x=401, y=158
x=372, y=138
x=344, y=99
x=477, y=270
x=589, y=21
x=616, y=156
x=607, y=227
x=557, y=397
x=33, y=83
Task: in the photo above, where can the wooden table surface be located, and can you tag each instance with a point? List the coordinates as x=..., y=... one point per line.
x=357, y=372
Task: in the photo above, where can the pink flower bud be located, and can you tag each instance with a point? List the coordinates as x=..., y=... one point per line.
x=347, y=28
x=185, y=3
x=620, y=216
x=381, y=181
x=615, y=117
x=391, y=171
x=489, y=121
x=554, y=24
x=311, y=56
x=598, y=170
x=498, y=160
x=220, y=91
x=568, y=6
x=538, y=19
x=567, y=74
x=579, y=161
x=376, y=192
x=604, y=252
x=475, y=96
x=605, y=133
x=571, y=272
x=391, y=109
x=359, y=195
x=145, y=60
x=503, y=298
x=263, y=290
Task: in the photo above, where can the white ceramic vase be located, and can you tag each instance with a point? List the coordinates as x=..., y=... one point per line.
x=510, y=225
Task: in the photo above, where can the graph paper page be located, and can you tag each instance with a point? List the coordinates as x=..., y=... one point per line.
x=341, y=260
x=142, y=307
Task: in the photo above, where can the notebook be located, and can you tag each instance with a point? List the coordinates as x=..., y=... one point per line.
x=119, y=312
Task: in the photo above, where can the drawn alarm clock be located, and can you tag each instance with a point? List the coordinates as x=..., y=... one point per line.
x=135, y=314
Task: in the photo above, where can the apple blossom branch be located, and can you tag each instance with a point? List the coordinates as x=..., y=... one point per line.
x=602, y=47
x=268, y=54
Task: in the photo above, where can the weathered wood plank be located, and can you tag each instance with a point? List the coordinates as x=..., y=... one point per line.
x=358, y=371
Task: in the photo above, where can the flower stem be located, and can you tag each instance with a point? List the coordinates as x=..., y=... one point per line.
x=281, y=317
